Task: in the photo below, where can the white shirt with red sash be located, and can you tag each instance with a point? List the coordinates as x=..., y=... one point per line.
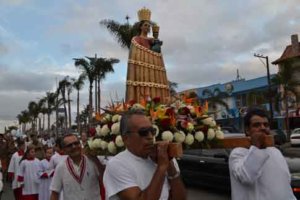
x=77, y=182
x=44, y=175
x=28, y=175
x=13, y=168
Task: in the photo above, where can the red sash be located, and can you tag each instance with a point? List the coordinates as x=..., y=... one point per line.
x=82, y=168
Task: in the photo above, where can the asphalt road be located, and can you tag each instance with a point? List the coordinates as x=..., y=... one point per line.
x=193, y=194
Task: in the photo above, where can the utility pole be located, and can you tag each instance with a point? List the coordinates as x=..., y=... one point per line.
x=269, y=82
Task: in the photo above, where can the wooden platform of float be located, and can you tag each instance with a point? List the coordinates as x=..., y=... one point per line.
x=176, y=149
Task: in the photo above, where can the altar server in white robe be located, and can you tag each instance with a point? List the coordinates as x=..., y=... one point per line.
x=78, y=176
x=27, y=174
x=58, y=155
x=260, y=172
x=44, y=175
x=13, y=169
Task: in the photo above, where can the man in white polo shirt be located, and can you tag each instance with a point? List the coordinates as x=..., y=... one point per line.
x=77, y=176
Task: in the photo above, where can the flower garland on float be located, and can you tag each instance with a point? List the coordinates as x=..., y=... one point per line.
x=185, y=121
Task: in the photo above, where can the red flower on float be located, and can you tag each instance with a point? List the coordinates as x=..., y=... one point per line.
x=92, y=132
x=184, y=111
x=156, y=100
x=165, y=123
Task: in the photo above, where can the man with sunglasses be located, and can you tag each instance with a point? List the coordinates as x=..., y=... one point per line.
x=132, y=174
x=78, y=176
x=259, y=172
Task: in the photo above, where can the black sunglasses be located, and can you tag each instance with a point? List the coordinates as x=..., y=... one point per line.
x=144, y=131
x=73, y=143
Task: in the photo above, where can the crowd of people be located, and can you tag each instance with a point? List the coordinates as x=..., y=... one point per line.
x=142, y=171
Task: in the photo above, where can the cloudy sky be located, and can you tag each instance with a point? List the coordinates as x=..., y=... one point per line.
x=205, y=42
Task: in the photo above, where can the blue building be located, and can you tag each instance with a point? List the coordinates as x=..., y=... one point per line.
x=238, y=95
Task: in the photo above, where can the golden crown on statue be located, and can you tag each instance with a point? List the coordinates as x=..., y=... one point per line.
x=155, y=28
x=144, y=14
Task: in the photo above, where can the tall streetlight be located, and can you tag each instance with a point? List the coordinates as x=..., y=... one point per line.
x=269, y=81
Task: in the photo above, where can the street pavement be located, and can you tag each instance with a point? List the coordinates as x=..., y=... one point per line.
x=192, y=194
x=7, y=192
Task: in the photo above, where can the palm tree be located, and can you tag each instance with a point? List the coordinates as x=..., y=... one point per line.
x=95, y=69
x=50, y=100
x=284, y=78
x=215, y=98
x=62, y=87
x=23, y=119
x=88, y=70
x=83, y=116
x=102, y=67
x=69, y=87
x=122, y=32
x=33, y=110
x=173, y=86
x=42, y=109
x=78, y=85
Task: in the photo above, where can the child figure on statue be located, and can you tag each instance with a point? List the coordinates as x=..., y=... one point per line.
x=156, y=45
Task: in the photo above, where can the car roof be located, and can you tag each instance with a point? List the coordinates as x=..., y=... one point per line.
x=296, y=131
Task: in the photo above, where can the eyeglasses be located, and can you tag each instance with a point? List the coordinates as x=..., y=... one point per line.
x=144, y=131
x=71, y=144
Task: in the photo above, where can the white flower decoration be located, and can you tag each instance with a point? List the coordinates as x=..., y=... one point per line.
x=190, y=127
x=157, y=129
x=90, y=143
x=112, y=147
x=209, y=121
x=106, y=118
x=103, y=145
x=219, y=134
x=104, y=130
x=97, y=143
x=211, y=134
x=199, y=136
x=191, y=108
x=98, y=130
x=116, y=118
x=189, y=139
x=179, y=136
x=115, y=128
x=137, y=106
x=167, y=136
x=119, y=141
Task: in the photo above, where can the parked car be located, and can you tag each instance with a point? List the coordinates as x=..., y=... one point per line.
x=209, y=168
x=295, y=137
x=231, y=131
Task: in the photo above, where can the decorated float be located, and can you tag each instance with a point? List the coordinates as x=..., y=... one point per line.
x=183, y=121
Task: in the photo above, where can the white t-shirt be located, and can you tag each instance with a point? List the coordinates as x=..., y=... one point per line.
x=13, y=167
x=80, y=183
x=126, y=170
x=258, y=174
x=28, y=170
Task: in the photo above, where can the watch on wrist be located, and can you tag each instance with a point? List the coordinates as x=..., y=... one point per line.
x=176, y=175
